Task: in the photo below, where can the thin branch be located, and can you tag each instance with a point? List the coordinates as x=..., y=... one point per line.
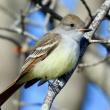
x=24, y=13
x=10, y=13
x=83, y=65
x=20, y=103
x=48, y=10
x=100, y=41
x=52, y=5
x=88, y=9
x=19, y=31
x=58, y=84
x=22, y=22
x=8, y=29
x=34, y=9
x=32, y=22
x=27, y=20
x=11, y=40
x=101, y=13
x=106, y=45
x=108, y=15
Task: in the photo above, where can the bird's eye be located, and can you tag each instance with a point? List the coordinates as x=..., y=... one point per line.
x=72, y=25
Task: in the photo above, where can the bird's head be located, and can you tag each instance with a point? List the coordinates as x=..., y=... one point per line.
x=73, y=23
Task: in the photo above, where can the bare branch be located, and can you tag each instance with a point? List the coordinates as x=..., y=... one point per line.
x=83, y=65
x=19, y=31
x=52, y=5
x=100, y=41
x=88, y=9
x=35, y=9
x=20, y=103
x=10, y=13
x=32, y=22
x=101, y=13
x=48, y=10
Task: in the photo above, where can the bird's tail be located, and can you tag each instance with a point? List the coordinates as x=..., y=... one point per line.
x=8, y=92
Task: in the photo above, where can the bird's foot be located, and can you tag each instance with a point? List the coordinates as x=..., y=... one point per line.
x=52, y=86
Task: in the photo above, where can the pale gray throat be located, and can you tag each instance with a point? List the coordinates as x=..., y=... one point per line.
x=78, y=37
x=75, y=35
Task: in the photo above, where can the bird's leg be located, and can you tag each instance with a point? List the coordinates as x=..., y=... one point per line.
x=52, y=86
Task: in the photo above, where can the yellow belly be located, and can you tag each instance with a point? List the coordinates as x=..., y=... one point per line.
x=59, y=62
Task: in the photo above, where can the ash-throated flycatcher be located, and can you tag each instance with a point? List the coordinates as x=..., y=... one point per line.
x=55, y=55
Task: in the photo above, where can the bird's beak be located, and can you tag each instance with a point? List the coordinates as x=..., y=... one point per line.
x=84, y=30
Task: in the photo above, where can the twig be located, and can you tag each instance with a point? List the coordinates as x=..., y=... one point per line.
x=32, y=22
x=23, y=15
x=20, y=103
x=8, y=29
x=52, y=5
x=101, y=13
x=100, y=41
x=27, y=20
x=34, y=9
x=48, y=10
x=22, y=22
x=58, y=84
x=11, y=40
x=8, y=12
x=108, y=15
x=106, y=45
x=83, y=65
x=19, y=31
x=88, y=9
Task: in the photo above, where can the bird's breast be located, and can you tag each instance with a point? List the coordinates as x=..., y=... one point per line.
x=59, y=62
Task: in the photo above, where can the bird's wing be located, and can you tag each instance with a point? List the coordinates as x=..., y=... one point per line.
x=44, y=47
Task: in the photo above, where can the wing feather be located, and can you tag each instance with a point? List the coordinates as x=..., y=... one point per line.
x=44, y=47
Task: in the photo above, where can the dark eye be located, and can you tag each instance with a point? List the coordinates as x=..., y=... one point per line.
x=72, y=25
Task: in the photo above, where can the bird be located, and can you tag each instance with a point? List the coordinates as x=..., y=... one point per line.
x=55, y=54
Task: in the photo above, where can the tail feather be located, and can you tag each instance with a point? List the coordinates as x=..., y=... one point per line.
x=8, y=92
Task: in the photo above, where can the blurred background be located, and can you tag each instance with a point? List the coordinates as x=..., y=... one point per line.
x=22, y=23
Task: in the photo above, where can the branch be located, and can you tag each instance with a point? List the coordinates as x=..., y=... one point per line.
x=88, y=9
x=101, y=38
x=19, y=31
x=83, y=65
x=27, y=20
x=10, y=39
x=101, y=13
x=52, y=5
x=22, y=103
x=32, y=22
x=10, y=13
x=100, y=41
x=58, y=84
x=48, y=10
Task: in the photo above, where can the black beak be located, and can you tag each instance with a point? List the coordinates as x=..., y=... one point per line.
x=85, y=30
